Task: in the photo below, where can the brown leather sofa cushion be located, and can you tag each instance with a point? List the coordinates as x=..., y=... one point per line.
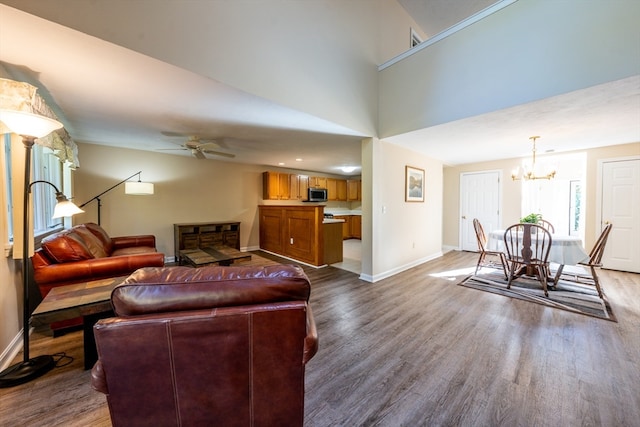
x=107, y=242
x=161, y=289
x=65, y=247
x=93, y=243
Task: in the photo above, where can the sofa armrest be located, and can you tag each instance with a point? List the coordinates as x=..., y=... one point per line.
x=98, y=378
x=94, y=269
x=129, y=241
x=311, y=340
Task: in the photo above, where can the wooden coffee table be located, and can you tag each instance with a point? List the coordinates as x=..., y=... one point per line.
x=89, y=300
x=220, y=255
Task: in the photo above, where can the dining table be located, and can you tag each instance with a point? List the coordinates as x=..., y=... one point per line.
x=565, y=249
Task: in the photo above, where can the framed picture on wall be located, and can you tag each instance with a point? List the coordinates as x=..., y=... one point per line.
x=413, y=184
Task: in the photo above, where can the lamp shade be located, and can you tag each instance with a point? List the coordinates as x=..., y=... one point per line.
x=23, y=111
x=138, y=188
x=28, y=123
x=65, y=208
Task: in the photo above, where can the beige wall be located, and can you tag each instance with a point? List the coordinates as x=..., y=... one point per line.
x=511, y=193
x=186, y=190
x=509, y=59
x=404, y=234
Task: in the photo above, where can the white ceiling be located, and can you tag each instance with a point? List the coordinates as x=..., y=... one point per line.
x=163, y=101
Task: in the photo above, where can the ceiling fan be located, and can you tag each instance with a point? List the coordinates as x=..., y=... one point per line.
x=199, y=147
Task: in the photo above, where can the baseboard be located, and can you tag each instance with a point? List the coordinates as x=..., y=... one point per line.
x=11, y=351
x=293, y=259
x=402, y=268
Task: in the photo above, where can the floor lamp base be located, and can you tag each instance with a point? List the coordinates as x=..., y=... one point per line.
x=23, y=372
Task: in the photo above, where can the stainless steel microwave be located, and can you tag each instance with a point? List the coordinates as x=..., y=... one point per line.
x=316, y=195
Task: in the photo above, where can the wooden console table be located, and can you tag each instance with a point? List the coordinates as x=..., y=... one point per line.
x=198, y=235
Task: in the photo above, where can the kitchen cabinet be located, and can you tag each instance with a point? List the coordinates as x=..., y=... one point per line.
x=298, y=186
x=355, y=226
x=346, y=231
x=332, y=242
x=341, y=189
x=318, y=182
x=275, y=186
x=351, y=227
x=354, y=190
x=293, y=231
x=332, y=189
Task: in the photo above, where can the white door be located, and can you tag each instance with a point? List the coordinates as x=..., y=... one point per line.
x=479, y=198
x=620, y=201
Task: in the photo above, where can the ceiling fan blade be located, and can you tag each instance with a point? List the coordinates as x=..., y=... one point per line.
x=219, y=153
x=208, y=145
x=198, y=154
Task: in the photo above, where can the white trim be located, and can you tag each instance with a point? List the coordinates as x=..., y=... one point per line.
x=449, y=31
x=400, y=269
x=293, y=259
x=11, y=351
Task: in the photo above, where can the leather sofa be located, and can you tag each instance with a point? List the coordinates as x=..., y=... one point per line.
x=207, y=346
x=86, y=252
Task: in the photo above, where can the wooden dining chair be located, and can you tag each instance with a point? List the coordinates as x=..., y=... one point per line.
x=594, y=260
x=546, y=225
x=528, y=248
x=488, y=258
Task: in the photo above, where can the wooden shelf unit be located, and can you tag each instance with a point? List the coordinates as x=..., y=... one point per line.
x=196, y=235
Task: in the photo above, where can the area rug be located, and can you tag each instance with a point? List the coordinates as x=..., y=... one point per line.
x=566, y=295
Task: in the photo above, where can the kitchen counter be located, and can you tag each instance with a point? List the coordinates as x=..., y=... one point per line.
x=342, y=212
x=331, y=220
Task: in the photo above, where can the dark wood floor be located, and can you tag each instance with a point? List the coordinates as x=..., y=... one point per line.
x=417, y=350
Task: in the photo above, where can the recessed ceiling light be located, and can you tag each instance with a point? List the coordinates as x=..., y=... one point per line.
x=348, y=169
x=281, y=164
x=298, y=159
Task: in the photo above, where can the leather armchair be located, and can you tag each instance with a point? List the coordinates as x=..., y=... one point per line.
x=207, y=346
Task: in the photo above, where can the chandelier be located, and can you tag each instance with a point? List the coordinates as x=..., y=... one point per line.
x=529, y=172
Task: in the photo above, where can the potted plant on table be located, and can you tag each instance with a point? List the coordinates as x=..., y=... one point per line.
x=532, y=218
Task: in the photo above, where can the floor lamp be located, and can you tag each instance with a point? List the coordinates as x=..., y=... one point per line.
x=30, y=127
x=136, y=188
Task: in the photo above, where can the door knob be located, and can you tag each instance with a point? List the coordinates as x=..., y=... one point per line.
x=464, y=217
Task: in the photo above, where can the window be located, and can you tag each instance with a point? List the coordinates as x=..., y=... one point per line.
x=45, y=166
x=415, y=38
x=6, y=139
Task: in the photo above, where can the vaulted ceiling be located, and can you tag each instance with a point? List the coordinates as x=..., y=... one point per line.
x=170, y=104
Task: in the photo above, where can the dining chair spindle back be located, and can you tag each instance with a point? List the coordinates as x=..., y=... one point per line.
x=547, y=225
x=594, y=260
x=487, y=258
x=528, y=248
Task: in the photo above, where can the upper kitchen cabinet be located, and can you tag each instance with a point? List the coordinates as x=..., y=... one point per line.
x=336, y=189
x=341, y=188
x=332, y=189
x=298, y=185
x=276, y=186
x=318, y=182
x=354, y=190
